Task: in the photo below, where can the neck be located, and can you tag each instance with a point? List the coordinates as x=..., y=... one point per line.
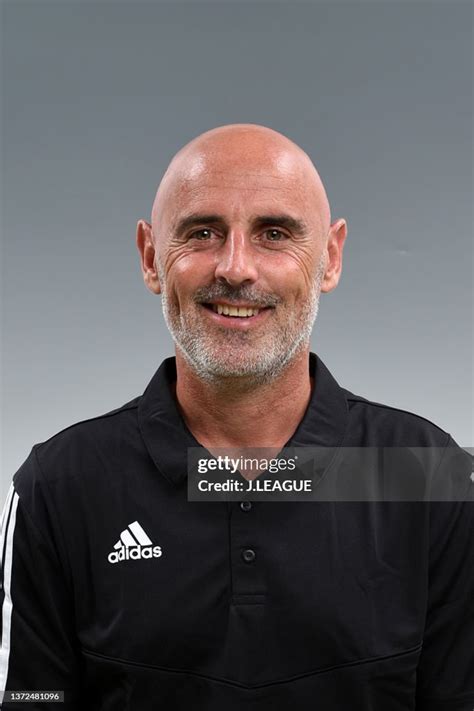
x=236, y=412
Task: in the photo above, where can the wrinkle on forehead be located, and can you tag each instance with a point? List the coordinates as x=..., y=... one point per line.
x=241, y=157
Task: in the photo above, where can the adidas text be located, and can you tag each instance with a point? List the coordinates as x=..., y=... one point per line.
x=134, y=553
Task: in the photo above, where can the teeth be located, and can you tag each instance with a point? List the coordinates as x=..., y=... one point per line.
x=241, y=311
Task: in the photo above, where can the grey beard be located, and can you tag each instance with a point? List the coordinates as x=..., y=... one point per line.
x=201, y=352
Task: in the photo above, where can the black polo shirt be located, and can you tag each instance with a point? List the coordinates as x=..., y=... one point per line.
x=127, y=596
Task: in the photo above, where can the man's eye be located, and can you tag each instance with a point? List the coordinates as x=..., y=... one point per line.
x=202, y=234
x=275, y=235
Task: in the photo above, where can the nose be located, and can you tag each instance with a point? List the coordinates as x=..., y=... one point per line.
x=236, y=263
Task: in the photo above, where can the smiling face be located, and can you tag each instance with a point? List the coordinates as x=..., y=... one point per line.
x=240, y=226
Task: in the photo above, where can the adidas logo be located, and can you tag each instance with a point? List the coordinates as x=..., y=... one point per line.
x=133, y=544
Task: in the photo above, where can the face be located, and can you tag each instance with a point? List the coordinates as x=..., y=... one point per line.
x=241, y=259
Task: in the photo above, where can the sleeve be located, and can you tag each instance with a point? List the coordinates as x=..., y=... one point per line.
x=39, y=651
x=445, y=675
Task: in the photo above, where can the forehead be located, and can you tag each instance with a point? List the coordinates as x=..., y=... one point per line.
x=238, y=187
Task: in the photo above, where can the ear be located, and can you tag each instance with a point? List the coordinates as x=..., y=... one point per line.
x=334, y=247
x=146, y=248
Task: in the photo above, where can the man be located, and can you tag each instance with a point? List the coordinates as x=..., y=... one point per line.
x=124, y=594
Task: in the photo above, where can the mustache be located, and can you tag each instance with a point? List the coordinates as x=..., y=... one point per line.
x=234, y=295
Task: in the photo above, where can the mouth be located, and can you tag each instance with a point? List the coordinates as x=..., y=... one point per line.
x=236, y=314
x=237, y=311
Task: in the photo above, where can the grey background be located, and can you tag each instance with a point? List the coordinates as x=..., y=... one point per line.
x=97, y=96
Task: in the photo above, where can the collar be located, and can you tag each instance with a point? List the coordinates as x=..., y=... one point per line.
x=167, y=438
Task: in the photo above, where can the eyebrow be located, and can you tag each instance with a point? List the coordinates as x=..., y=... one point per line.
x=279, y=220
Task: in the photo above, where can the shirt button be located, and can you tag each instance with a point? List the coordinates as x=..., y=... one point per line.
x=248, y=555
x=245, y=505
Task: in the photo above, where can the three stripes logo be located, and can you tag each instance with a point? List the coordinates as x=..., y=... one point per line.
x=133, y=544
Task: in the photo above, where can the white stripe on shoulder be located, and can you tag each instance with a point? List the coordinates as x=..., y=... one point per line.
x=7, y=606
x=5, y=511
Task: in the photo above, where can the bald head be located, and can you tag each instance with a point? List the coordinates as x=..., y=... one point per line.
x=240, y=222
x=245, y=156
